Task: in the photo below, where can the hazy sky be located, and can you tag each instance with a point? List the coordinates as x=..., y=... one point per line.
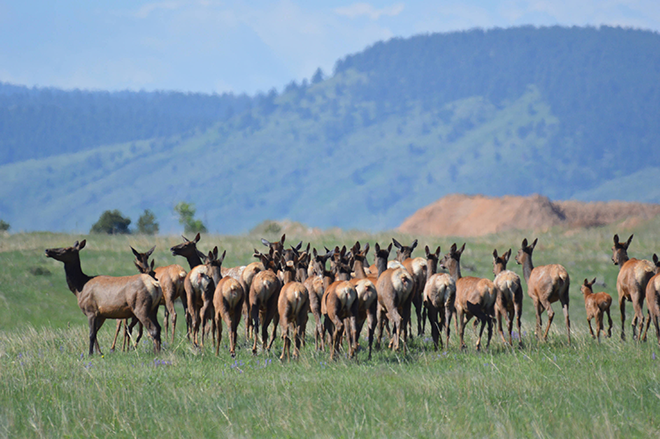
x=216, y=46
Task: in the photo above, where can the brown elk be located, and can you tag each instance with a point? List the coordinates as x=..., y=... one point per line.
x=263, y=297
x=417, y=269
x=634, y=275
x=439, y=295
x=546, y=284
x=474, y=296
x=188, y=249
x=509, y=296
x=107, y=297
x=367, y=296
x=200, y=285
x=247, y=275
x=653, y=300
x=171, y=279
x=315, y=289
x=596, y=305
x=292, y=306
x=228, y=299
x=339, y=304
x=394, y=287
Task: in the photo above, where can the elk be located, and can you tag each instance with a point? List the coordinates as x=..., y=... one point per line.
x=634, y=275
x=200, y=285
x=228, y=299
x=367, y=296
x=107, y=297
x=315, y=288
x=653, y=300
x=263, y=297
x=417, y=269
x=394, y=287
x=188, y=249
x=474, y=296
x=509, y=296
x=546, y=284
x=339, y=304
x=292, y=306
x=439, y=295
x=596, y=304
x=171, y=279
x=246, y=281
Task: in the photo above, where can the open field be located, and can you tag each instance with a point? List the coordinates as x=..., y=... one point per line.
x=50, y=387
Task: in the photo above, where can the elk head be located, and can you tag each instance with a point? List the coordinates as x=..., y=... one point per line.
x=620, y=250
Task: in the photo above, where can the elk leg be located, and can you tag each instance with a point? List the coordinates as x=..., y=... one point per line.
x=609, y=319
x=371, y=325
x=622, y=308
x=274, y=319
x=590, y=330
x=509, y=324
x=448, y=315
x=218, y=329
x=551, y=315
x=648, y=323
x=379, y=322
x=254, y=309
x=114, y=341
x=460, y=320
x=599, y=324
x=518, y=311
x=435, y=329
x=657, y=327
x=170, y=313
x=500, y=317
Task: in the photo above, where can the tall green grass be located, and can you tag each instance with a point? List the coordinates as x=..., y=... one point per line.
x=49, y=387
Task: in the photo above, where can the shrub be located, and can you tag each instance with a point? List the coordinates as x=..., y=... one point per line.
x=111, y=222
x=147, y=224
x=4, y=226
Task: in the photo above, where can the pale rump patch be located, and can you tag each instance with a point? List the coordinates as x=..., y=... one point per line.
x=419, y=266
x=346, y=294
x=391, y=265
x=643, y=268
x=402, y=281
x=506, y=283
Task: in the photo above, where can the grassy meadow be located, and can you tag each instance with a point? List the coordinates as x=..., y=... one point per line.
x=50, y=387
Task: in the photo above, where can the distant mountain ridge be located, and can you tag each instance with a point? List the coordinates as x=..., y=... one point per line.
x=557, y=111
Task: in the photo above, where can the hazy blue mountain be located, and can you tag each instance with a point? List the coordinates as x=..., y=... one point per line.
x=556, y=111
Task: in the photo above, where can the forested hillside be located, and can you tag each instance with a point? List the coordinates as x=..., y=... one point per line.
x=558, y=111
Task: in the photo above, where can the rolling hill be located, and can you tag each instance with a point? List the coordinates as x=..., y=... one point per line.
x=567, y=113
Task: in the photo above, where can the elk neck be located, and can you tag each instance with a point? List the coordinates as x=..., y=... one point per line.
x=75, y=278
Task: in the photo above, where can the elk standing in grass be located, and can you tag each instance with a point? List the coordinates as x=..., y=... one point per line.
x=263, y=297
x=653, y=300
x=188, y=249
x=509, y=296
x=417, y=269
x=596, y=305
x=315, y=288
x=339, y=305
x=200, y=286
x=394, y=287
x=292, y=306
x=439, y=295
x=107, y=297
x=228, y=301
x=634, y=275
x=546, y=284
x=367, y=296
x=474, y=296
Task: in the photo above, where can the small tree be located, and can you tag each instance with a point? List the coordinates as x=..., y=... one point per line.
x=186, y=213
x=111, y=222
x=147, y=224
x=318, y=76
x=4, y=226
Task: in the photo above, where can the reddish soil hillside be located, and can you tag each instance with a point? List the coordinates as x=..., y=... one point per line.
x=476, y=215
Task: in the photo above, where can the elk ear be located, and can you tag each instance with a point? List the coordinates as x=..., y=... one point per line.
x=151, y=251
x=655, y=259
x=453, y=248
x=507, y=255
x=222, y=258
x=366, y=249
x=185, y=239
x=396, y=243
x=342, y=253
x=135, y=252
x=414, y=244
x=534, y=243
x=210, y=256
x=152, y=263
x=593, y=281
x=264, y=242
x=82, y=244
x=616, y=239
x=524, y=243
x=427, y=251
x=460, y=252
x=586, y=283
x=629, y=241
x=196, y=240
x=437, y=252
x=283, y=238
x=377, y=247
x=298, y=247
x=215, y=252
x=315, y=253
x=495, y=254
x=389, y=248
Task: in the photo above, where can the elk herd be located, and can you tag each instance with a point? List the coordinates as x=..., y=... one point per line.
x=285, y=285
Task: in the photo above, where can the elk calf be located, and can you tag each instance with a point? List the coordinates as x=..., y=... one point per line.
x=596, y=304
